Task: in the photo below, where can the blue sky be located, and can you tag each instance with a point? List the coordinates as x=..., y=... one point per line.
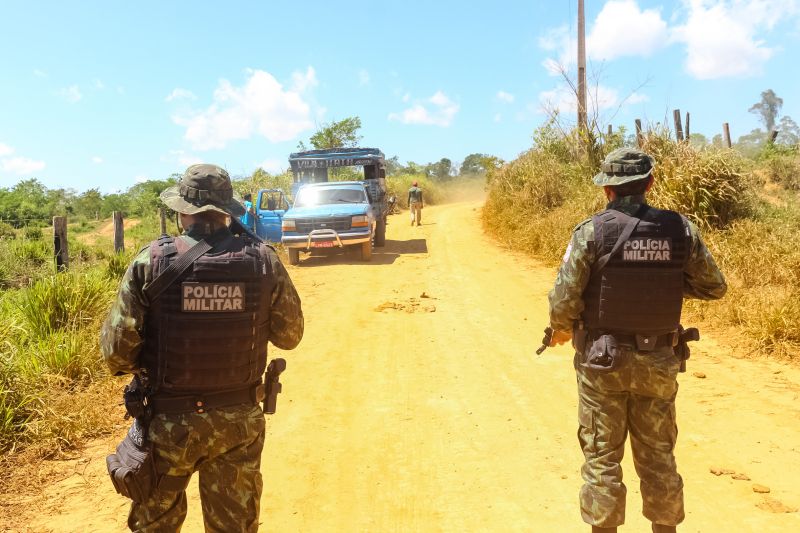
x=105, y=94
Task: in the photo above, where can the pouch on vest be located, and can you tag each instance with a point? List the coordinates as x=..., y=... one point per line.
x=132, y=467
x=602, y=355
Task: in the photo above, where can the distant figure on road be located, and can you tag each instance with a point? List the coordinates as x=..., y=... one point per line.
x=415, y=203
x=618, y=296
x=191, y=321
x=249, y=217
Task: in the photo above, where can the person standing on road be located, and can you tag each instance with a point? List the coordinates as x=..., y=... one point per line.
x=415, y=203
x=196, y=338
x=249, y=216
x=618, y=295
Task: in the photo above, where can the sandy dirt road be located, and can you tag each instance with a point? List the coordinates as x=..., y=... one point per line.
x=403, y=413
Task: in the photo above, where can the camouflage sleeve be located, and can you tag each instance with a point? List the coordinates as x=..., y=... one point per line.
x=286, y=315
x=566, y=303
x=702, y=278
x=121, y=334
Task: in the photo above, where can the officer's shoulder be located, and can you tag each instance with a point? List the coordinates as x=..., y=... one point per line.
x=581, y=225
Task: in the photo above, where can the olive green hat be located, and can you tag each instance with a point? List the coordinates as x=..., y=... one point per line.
x=624, y=165
x=202, y=188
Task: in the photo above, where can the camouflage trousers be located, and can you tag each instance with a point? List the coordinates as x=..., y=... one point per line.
x=638, y=397
x=224, y=446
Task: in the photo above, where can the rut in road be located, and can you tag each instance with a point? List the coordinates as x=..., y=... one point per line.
x=416, y=403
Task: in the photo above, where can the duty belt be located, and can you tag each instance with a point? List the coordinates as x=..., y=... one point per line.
x=648, y=342
x=200, y=403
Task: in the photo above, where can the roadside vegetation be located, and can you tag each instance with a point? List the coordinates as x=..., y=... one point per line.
x=54, y=388
x=745, y=203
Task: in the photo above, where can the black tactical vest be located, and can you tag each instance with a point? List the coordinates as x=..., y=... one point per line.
x=640, y=288
x=208, y=331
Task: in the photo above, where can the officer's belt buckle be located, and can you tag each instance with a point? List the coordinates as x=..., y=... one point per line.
x=646, y=343
x=200, y=405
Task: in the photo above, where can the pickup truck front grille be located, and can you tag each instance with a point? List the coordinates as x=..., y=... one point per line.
x=306, y=225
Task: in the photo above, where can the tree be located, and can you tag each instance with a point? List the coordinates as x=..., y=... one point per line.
x=393, y=166
x=698, y=140
x=769, y=107
x=440, y=170
x=341, y=134
x=479, y=164
x=788, y=131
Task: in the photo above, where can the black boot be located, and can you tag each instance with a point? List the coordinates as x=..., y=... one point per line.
x=659, y=528
x=596, y=529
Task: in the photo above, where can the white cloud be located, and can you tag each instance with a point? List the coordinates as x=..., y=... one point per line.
x=5, y=150
x=71, y=94
x=261, y=106
x=180, y=94
x=39, y=73
x=440, y=112
x=363, y=78
x=724, y=38
x=21, y=165
x=97, y=160
x=637, y=98
x=406, y=98
x=273, y=166
x=184, y=158
x=303, y=81
x=564, y=101
x=505, y=97
x=623, y=29
x=498, y=117
x=98, y=84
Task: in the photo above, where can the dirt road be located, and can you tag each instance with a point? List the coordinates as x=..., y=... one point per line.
x=410, y=413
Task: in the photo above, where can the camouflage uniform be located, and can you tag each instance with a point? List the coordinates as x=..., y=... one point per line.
x=638, y=397
x=224, y=445
x=415, y=204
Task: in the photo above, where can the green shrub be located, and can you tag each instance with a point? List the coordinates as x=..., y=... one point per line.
x=781, y=165
x=33, y=233
x=63, y=301
x=7, y=231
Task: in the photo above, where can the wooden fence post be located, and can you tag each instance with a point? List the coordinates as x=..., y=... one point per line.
x=610, y=130
x=687, y=126
x=119, y=232
x=60, y=244
x=676, y=116
x=638, y=133
x=726, y=134
x=162, y=213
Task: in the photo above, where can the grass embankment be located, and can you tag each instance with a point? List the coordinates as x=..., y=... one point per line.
x=54, y=389
x=535, y=201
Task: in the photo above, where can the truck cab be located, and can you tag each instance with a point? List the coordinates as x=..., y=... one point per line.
x=328, y=214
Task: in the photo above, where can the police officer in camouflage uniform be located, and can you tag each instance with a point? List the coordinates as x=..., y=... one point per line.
x=202, y=344
x=618, y=296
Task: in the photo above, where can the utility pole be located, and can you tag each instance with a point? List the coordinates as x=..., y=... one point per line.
x=582, y=125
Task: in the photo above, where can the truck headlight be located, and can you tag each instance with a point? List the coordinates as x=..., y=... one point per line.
x=288, y=224
x=360, y=221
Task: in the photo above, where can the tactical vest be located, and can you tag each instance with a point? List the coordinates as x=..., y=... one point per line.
x=415, y=194
x=208, y=330
x=640, y=288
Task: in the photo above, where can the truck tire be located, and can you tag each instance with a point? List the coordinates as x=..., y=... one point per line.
x=294, y=255
x=366, y=251
x=380, y=233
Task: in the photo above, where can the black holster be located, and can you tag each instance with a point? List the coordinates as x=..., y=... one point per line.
x=682, y=350
x=132, y=468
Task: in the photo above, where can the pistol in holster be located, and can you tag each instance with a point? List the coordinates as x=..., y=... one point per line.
x=272, y=384
x=135, y=397
x=682, y=351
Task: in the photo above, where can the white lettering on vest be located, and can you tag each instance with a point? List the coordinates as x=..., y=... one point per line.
x=647, y=249
x=212, y=297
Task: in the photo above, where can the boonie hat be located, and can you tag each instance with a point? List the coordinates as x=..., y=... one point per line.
x=203, y=187
x=624, y=165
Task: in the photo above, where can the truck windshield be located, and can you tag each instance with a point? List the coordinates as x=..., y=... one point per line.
x=319, y=196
